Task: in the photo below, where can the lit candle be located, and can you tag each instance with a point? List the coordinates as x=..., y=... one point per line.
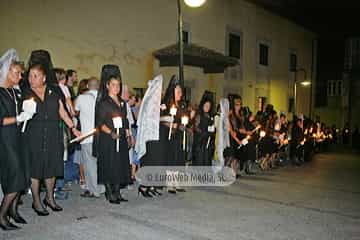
x=28, y=106
x=173, y=111
x=184, y=121
x=117, y=121
x=262, y=133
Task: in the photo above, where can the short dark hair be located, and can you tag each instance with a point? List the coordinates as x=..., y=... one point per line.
x=69, y=73
x=59, y=72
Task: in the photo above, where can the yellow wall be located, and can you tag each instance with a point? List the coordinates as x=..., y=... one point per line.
x=85, y=34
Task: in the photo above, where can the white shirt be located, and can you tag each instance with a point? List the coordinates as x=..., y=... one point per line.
x=85, y=104
x=65, y=90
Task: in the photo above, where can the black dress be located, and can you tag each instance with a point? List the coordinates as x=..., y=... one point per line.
x=250, y=148
x=113, y=166
x=175, y=154
x=12, y=166
x=43, y=137
x=203, y=151
x=239, y=153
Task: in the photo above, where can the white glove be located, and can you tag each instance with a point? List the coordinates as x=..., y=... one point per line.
x=23, y=116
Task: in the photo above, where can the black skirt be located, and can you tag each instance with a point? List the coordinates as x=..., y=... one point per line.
x=156, y=151
x=113, y=166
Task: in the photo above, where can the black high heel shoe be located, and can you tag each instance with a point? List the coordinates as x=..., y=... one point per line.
x=121, y=199
x=16, y=217
x=171, y=191
x=43, y=212
x=55, y=208
x=157, y=192
x=8, y=226
x=144, y=193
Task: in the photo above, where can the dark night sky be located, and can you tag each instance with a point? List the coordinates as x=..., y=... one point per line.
x=332, y=20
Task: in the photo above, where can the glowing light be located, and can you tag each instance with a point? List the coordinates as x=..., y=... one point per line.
x=262, y=134
x=184, y=120
x=194, y=3
x=306, y=83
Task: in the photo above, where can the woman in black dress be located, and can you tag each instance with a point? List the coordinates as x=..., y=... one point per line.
x=237, y=130
x=174, y=155
x=113, y=165
x=204, y=132
x=44, y=147
x=12, y=166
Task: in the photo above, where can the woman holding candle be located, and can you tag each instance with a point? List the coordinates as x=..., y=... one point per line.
x=175, y=109
x=204, y=132
x=44, y=147
x=237, y=129
x=12, y=167
x=111, y=144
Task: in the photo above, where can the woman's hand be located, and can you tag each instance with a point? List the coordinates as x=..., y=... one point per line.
x=114, y=135
x=76, y=132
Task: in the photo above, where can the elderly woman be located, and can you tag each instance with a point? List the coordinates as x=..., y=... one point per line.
x=44, y=147
x=113, y=162
x=12, y=166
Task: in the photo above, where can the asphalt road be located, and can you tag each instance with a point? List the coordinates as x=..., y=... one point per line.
x=320, y=200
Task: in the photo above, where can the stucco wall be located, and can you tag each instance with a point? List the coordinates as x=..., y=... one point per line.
x=84, y=35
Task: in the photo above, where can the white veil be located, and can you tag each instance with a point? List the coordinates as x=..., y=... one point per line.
x=5, y=62
x=223, y=131
x=149, y=116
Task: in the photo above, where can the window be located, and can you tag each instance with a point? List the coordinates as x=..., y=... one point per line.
x=261, y=103
x=293, y=62
x=234, y=45
x=186, y=37
x=264, y=55
x=335, y=88
x=339, y=85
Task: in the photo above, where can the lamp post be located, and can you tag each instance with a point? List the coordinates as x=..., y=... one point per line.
x=190, y=3
x=305, y=82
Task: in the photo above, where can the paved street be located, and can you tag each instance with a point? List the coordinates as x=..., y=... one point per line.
x=320, y=200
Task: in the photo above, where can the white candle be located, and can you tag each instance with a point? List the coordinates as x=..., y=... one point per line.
x=83, y=136
x=173, y=111
x=117, y=121
x=184, y=121
x=28, y=106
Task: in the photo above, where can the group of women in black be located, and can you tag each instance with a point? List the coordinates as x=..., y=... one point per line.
x=32, y=155
x=35, y=153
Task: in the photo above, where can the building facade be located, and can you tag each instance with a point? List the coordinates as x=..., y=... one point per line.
x=84, y=35
x=343, y=91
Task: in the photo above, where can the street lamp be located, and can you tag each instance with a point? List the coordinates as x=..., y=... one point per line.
x=190, y=3
x=305, y=82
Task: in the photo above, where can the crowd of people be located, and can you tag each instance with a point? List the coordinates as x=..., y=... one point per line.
x=110, y=132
